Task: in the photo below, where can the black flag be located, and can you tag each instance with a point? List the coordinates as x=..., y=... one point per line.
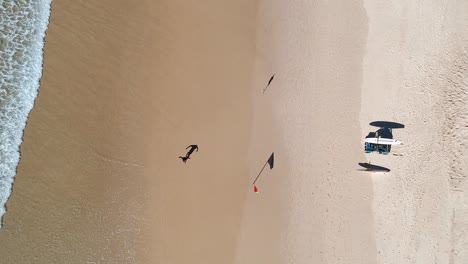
x=269, y=82
x=271, y=160
x=271, y=79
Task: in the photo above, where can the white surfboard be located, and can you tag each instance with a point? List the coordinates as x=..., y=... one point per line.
x=382, y=141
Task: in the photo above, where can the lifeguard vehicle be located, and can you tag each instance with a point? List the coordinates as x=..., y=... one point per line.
x=381, y=141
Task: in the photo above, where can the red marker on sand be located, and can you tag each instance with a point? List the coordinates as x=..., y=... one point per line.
x=255, y=189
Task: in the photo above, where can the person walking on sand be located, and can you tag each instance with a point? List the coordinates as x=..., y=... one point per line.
x=187, y=156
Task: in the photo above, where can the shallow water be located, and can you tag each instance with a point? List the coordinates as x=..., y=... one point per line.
x=22, y=30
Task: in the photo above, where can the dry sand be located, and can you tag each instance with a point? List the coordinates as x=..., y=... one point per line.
x=416, y=73
x=316, y=51
x=127, y=87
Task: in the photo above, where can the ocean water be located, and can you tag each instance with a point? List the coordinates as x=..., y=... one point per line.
x=23, y=24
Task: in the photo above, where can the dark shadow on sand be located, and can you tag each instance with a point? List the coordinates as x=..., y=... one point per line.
x=383, y=133
x=386, y=124
x=372, y=167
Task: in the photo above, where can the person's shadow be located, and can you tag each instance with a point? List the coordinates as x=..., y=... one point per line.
x=191, y=150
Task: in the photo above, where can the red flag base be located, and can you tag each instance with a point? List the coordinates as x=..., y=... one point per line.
x=255, y=189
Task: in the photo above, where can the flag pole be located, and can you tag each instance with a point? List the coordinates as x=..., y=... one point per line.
x=260, y=172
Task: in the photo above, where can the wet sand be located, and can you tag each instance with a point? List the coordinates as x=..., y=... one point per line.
x=125, y=89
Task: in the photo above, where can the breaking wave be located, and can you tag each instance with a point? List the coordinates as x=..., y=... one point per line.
x=23, y=24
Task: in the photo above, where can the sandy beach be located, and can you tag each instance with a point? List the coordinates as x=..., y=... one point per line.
x=315, y=102
x=416, y=73
x=126, y=88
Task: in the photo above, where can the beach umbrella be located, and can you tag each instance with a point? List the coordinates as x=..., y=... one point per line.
x=270, y=162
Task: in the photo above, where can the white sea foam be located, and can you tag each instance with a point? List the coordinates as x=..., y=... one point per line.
x=22, y=29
